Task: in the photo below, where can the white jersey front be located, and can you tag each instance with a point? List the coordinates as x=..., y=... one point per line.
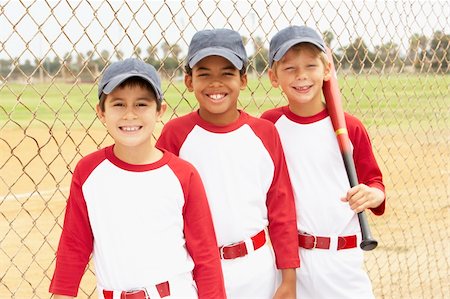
x=246, y=180
x=313, y=149
x=319, y=180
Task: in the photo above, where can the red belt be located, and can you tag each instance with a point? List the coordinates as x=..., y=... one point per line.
x=240, y=249
x=163, y=290
x=309, y=242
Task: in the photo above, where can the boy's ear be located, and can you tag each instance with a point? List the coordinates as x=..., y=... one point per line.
x=161, y=111
x=327, y=72
x=100, y=113
x=188, y=82
x=273, y=78
x=244, y=81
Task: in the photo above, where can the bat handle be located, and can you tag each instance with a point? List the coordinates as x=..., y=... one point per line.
x=368, y=242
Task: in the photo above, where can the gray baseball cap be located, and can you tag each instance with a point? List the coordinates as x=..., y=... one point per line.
x=290, y=36
x=119, y=71
x=221, y=42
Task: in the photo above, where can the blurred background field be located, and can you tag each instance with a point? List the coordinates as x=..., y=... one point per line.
x=63, y=103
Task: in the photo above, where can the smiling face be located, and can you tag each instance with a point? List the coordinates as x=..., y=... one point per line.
x=300, y=74
x=130, y=114
x=216, y=84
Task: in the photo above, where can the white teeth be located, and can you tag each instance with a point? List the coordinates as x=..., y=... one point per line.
x=130, y=129
x=301, y=88
x=217, y=96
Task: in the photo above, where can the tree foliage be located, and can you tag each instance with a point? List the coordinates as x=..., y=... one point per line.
x=424, y=53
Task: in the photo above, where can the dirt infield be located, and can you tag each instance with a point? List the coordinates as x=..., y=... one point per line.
x=411, y=261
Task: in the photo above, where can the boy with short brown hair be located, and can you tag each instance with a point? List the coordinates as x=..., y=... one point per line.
x=141, y=211
x=332, y=263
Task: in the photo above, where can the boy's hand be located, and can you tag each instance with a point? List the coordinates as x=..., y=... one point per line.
x=288, y=285
x=362, y=197
x=284, y=292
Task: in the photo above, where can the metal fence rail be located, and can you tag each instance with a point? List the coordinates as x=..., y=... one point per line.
x=393, y=66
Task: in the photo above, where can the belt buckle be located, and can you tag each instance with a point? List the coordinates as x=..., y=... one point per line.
x=221, y=252
x=133, y=294
x=315, y=242
x=230, y=246
x=341, y=243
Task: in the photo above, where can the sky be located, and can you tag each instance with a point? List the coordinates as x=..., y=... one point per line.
x=47, y=28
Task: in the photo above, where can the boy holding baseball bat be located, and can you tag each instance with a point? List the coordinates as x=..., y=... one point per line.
x=141, y=211
x=329, y=233
x=242, y=165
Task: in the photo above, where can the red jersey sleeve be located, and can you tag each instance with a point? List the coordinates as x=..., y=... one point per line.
x=280, y=200
x=76, y=242
x=174, y=133
x=199, y=232
x=365, y=163
x=273, y=114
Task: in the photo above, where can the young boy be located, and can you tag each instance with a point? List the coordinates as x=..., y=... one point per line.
x=241, y=162
x=141, y=211
x=328, y=227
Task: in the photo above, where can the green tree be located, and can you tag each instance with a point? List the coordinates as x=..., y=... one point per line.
x=37, y=64
x=52, y=67
x=91, y=67
x=67, y=66
x=103, y=60
x=82, y=67
x=386, y=55
x=152, y=56
x=418, y=50
x=356, y=55
x=5, y=68
x=170, y=63
x=328, y=37
x=417, y=45
x=137, y=51
x=260, y=56
x=80, y=61
x=439, y=52
x=119, y=54
x=176, y=51
x=27, y=68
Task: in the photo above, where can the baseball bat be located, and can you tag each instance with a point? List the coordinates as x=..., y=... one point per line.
x=333, y=101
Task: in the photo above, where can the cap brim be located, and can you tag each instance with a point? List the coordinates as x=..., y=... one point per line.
x=117, y=80
x=289, y=44
x=225, y=53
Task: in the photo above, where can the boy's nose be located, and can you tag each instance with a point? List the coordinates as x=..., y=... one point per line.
x=215, y=83
x=130, y=113
x=301, y=75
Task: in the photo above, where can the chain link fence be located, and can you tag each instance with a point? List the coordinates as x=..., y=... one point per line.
x=392, y=59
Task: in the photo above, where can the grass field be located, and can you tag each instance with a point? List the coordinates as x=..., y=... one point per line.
x=45, y=129
x=396, y=100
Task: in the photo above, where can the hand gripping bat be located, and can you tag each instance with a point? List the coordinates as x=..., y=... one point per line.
x=334, y=105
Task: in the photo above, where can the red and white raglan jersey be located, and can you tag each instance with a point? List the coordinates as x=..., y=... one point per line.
x=318, y=173
x=243, y=169
x=143, y=223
